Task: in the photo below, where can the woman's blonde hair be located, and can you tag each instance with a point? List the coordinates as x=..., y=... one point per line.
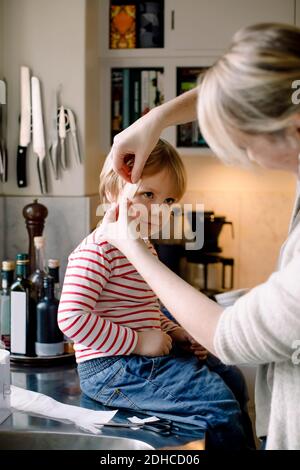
x=250, y=88
x=163, y=156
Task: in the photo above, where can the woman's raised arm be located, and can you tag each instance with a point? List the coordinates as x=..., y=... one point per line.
x=141, y=137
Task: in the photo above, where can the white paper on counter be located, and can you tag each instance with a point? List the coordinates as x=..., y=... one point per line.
x=136, y=420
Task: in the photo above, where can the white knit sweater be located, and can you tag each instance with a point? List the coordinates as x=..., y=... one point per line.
x=263, y=328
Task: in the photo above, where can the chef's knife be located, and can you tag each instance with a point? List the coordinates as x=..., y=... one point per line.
x=3, y=152
x=38, y=132
x=54, y=137
x=25, y=127
x=62, y=136
x=73, y=135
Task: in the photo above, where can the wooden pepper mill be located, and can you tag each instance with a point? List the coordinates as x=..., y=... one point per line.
x=35, y=215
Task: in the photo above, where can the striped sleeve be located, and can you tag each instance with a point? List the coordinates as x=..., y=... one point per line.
x=166, y=324
x=87, y=273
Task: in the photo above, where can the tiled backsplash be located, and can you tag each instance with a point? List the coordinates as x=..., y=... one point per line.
x=260, y=220
x=69, y=220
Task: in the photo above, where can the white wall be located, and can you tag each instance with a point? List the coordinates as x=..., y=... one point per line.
x=49, y=37
x=93, y=115
x=58, y=40
x=259, y=203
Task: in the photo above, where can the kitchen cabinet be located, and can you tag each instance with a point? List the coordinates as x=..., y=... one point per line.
x=196, y=32
x=208, y=25
x=298, y=13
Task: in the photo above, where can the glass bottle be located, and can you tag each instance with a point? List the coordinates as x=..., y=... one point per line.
x=23, y=311
x=7, y=278
x=53, y=270
x=49, y=338
x=40, y=272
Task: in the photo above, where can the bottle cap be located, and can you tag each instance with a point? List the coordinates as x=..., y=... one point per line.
x=39, y=242
x=22, y=258
x=8, y=265
x=53, y=263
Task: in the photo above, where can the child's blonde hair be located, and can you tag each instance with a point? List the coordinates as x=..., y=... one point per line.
x=163, y=156
x=250, y=88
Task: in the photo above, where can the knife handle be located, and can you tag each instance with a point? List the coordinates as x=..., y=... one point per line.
x=21, y=167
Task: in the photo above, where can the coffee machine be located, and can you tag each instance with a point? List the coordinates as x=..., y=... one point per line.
x=212, y=272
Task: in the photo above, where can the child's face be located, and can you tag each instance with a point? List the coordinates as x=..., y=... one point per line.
x=155, y=196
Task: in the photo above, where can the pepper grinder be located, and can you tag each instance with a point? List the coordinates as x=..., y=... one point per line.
x=35, y=215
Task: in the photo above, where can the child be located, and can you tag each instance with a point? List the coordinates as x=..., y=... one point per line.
x=122, y=340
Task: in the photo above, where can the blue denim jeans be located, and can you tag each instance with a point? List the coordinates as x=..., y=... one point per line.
x=176, y=387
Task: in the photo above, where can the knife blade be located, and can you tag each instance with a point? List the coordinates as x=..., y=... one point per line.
x=62, y=136
x=72, y=123
x=38, y=132
x=54, y=138
x=3, y=127
x=25, y=127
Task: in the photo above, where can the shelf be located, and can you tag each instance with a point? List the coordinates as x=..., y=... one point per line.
x=167, y=58
x=134, y=91
x=189, y=133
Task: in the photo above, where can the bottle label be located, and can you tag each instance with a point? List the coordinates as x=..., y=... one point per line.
x=18, y=322
x=5, y=320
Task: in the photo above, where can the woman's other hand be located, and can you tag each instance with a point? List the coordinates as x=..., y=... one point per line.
x=187, y=343
x=119, y=225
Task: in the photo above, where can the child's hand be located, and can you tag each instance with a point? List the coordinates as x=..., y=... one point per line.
x=153, y=343
x=187, y=342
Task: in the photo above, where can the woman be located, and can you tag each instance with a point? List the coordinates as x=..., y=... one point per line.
x=248, y=111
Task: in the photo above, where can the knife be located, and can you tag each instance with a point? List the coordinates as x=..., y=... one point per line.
x=25, y=127
x=38, y=132
x=62, y=136
x=74, y=136
x=3, y=126
x=54, y=138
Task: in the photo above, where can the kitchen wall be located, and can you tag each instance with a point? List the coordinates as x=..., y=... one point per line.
x=258, y=202
x=68, y=222
x=58, y=41
x=50, y=38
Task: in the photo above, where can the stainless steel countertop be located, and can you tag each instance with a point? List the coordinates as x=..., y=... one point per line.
x=62, y=384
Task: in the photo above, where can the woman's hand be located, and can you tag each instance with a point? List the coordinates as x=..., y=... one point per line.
x=139, y=139
x=153, y=343
x=119, y=226
x=187, y=342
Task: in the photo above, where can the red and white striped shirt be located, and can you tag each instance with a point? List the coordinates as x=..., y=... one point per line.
x=105, y=301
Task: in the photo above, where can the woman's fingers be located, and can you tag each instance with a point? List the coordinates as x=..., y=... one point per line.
x=199, y=351
x=138, y=166
x=119, y=163
x=111, y=214
x=200, y=354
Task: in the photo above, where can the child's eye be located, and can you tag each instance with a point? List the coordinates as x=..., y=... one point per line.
x=169, y=201
x=148, y=195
